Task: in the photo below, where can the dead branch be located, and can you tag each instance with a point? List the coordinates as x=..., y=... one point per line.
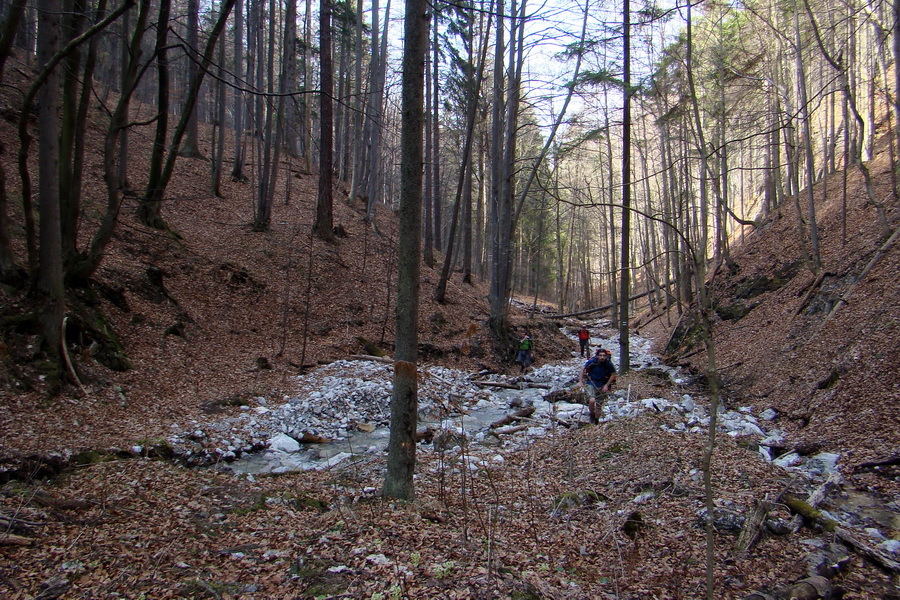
x=562, y=422
x=380, y=359
x=509, y=419
x=810, y=292
x=811, y=588
x=815, y=499
x=65, y=352
x=752, y=527
x=498, y=384
x=886, y=462
x=508, y=430
x=878, y=255
x=11, y=539
x=873, y=554
x=605, y=306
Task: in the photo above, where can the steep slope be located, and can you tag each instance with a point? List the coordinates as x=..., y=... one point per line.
x=824, y=352
x=221, y=313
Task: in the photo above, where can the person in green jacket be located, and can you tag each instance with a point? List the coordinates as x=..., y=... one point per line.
x=526, y=349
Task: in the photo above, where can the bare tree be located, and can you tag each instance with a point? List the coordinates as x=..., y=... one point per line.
x=324, y=223
x=191, y=146
x=401, y=460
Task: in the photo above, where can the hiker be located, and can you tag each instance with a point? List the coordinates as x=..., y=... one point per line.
x=524, y=358
x=584, y=337
x=599, y=374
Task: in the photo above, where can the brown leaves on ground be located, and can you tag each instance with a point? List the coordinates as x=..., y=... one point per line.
x=602, y=512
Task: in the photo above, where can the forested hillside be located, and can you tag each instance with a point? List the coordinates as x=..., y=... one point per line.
x=190, y=220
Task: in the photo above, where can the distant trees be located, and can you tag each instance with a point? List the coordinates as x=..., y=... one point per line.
x=578, y=206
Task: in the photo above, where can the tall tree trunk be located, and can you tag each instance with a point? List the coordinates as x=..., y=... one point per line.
x=267, y=169
x=358, y=123
x=240, y=147
x=217, y=147
x=625, y=279
x=191, y=146
x=50, y=294
x=465, y=168
x=324, y=223
x=430, y=163
x=401, y=459
x=70, y=203
x=436, y=203
x=379, y=66
x=149, y=209
x=815, y=260
x=498, y=304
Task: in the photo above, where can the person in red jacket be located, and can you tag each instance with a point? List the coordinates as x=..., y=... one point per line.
x=584, y=338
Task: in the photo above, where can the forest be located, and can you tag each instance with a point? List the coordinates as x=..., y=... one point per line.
x=220, y=222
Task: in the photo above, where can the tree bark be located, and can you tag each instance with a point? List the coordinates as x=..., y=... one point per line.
x=49, y=289
x=401, y=460
x=324, y=222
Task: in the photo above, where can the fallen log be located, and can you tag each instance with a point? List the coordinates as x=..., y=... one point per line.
x=11, y=539
x=380, y=359
x=498, y=384
x=311, y=438
x=876, y=464
x=810, y=292
x=8, y=522
x=878, y=255
x=754, y=523
x=562, y=422
x=508, y=430
x=811, y=588
x=873, y=554
x=752, y=526
x=816, y=516
x=605, y=306
x=816, y=498
x=573, y=396
x=510, y=419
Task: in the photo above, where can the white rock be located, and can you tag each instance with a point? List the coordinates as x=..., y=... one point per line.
x=823, y=463
x=788, y=460
x=891, y=546
x=644, y=497
x=751, y=429
x=769, y=414
x=378, y=559
x=284, y=443
x=773, y=439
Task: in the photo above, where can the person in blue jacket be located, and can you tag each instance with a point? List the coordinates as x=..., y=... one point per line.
x=598, y=375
